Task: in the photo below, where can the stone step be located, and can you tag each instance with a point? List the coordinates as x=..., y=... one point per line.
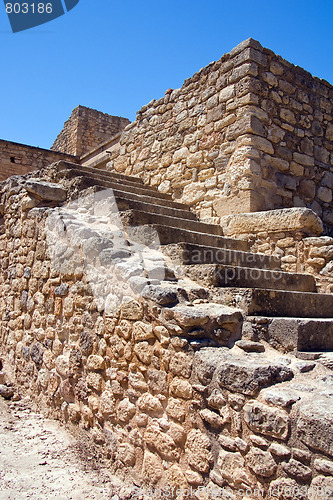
x=170, y=234
x=279, y=303
x=125, y=180
x=246, y=277
x=142, y=218
x=187, y=253
x=129, y=204
x=294, y=334
x=121, y=184
x=149, y=200
x=101, y=173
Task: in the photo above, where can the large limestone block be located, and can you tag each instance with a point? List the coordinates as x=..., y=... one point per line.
x=48, y=191
x=284, y=219
x=305, y=334
x=248, y=376
x=246, y=200
x=315, y=424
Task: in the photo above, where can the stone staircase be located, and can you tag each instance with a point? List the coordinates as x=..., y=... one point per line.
x=234, y=276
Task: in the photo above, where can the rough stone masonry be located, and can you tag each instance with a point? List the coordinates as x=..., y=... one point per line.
x=193, y=387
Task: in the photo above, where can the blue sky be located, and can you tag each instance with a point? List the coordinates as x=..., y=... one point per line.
x=117, y=56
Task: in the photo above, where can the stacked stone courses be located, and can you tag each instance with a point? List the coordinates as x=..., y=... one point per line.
x=19, y=159
x=194, y=382
x=249, y=132
x=213, y=378
x=85, y=129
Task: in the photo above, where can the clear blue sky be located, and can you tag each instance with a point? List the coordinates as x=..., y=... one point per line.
x=115, y=56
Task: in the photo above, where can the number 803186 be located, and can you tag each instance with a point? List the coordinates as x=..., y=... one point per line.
x=29, y=8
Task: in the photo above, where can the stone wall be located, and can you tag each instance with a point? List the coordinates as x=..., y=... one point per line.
x=293, y=235
x=188, y=142
x=166, y=412
x=249, y=132
x=86, y=129
x=18, y=159
x=296, y=156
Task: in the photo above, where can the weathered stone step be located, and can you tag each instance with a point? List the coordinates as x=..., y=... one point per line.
x=170, y=234
x=133, y=182
x=128, y=204
x=123, y=185
x=188, y=253
x=295, y=334
x=112, y=177
x=101, y=173
x=149, y=200
x=246, y=277
x=129, y=188
x=259, y=302
x=142, y=218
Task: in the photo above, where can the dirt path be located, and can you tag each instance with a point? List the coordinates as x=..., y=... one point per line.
x=38, y=460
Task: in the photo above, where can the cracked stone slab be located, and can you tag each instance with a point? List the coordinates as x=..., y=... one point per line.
x=48, y=191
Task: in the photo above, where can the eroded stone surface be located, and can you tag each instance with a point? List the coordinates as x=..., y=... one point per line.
x=46, y=190
x=266, y=420
x=249, y=376
x=261, y=462
x=315, y=425
x=198, y=451
x=133, y=371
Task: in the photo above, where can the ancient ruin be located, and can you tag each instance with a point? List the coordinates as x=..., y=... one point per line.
x=167, y=284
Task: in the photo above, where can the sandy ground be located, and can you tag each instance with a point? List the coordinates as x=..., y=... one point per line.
x=38, y=460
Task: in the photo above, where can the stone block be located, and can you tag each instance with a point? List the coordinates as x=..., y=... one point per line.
x=161, y=442
x=197, y=449
x=325, y=194
x=95, y=363
x=131, y=310
x=152, y=468
x=144, y=352
x=232, y=468
x=292, y=334
x=281, y=396
x=261, y=462
x=305, y=160
x=324, y=466
x=181, y=388
x=213, y=419
x=181, y=364
x=6, y=391
x=227, y=93
x=280, y=220
x=164, y=296
x=150, y=404
x=266, y=420
x=142, y=331
x=297, y=470
x=247, y=376
x=126, y=410
x=46, y=190
x=176, y=409
x=320, y=486
x=247, y=124
x=315, y=425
